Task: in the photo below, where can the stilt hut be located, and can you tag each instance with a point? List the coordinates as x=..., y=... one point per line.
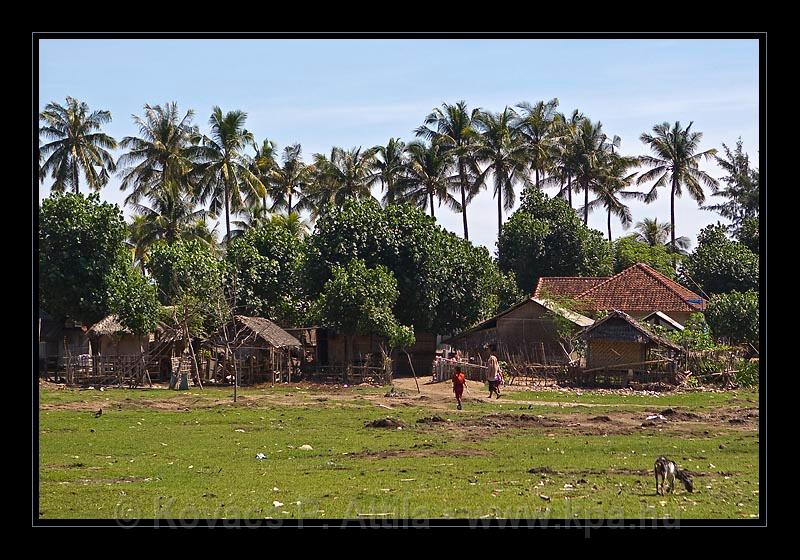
x=255, y=349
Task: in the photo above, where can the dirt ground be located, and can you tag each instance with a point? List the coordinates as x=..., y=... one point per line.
x=438, y=399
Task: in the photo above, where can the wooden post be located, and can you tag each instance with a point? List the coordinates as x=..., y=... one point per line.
x=412, y=370
x=194, y=359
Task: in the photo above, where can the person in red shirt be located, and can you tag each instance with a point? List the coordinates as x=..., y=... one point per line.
x=459, y=380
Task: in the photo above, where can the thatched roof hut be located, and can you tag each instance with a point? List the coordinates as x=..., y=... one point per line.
x=111, y=325
x=111, y=337
x=256, y=332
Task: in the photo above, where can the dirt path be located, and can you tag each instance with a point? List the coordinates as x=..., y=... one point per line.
x=440, y=395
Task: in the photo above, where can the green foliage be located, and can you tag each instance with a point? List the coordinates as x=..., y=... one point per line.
x=133, y=299
x=696, y=334
x=85, y=268
x=186, y=268
x=628, y=251
x=720, y=265
x=267, y=262
x=445, y=284
x=735, y=316
x=748, y=234
x=81, y=244
x=545, y=237
x=198, y=317
x=565, y=328
x=741, y=190
x=358, y=301
x=748, y=374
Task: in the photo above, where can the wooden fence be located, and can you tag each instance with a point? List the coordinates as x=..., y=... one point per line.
x=105, y=370
x=443, y=370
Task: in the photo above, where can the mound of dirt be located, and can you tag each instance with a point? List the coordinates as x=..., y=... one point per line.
x=385, y=423
x=600, y=419
x=431, y=420
x=541, y=470
x=508, y=420
x=673, y=414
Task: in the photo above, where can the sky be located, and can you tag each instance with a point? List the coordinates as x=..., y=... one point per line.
x=330, y=92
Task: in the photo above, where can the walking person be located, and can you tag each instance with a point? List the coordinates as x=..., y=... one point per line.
x=459, y=380
x=494, y=376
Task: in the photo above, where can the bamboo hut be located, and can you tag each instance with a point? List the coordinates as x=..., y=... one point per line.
x=111, y=338
x=254, y=349
x=619, y=347
x=525, y=333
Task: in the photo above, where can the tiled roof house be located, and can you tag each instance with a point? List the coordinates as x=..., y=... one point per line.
x=638, y=290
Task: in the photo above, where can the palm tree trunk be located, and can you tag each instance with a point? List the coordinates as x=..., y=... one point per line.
x=672, y=222
x=432, y=216
x=569, y=189
x=586, y=202
x=609, y=227
x=499, y=208
x=264, y=209
x=537, y=177
x=462, y=175
x=75, y=176
x=227, y=214
x=290, y=204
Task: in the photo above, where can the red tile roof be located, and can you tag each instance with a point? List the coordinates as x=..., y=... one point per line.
x=567, y=286
x=641, y=288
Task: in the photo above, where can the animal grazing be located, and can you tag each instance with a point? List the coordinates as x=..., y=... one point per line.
x=98, y=413
x=667, y=471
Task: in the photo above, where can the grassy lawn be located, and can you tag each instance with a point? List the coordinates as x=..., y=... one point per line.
x=161, y=453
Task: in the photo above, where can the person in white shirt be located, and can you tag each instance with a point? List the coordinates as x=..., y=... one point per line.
x=494, y=376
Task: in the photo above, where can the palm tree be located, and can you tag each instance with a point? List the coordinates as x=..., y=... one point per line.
x=536, y=124
x=224, y=170
x=76, y=144
x=611, y=187
x=162, y=154
x=742, y=187
x=289, y=181
x=653, y=232
x=251, y=216
x=507, y=155
x=563, y=171
x=390, y=162
x=675, y=164
x=453, y=127
x=172, y=215
x=589, y=155
x=427, y=177
x=264, y=166
x=141, y=237
x=348, y=174
x=293, y=222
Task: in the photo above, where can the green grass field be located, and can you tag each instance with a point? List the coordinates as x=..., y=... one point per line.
x=167, y=454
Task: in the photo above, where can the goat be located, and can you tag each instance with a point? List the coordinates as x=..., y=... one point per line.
x=667, y=471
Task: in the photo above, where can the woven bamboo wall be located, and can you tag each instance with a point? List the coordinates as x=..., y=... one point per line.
x=608, y=353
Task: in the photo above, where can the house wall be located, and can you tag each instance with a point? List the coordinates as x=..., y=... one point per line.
x=527, y=334
x=362, y=345
x=125, y=345
x=602, y=353
x=77, y=341
x=422, y=354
